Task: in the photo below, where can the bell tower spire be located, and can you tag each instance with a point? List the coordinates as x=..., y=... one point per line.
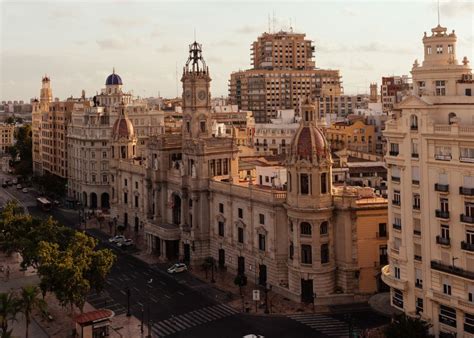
x=196, y=95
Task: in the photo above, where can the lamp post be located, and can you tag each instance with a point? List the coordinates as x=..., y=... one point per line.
x=148, y=310
x=212, y=271
x=143, y=315
x=268, y=287
x=128, y=301
x=314, y=298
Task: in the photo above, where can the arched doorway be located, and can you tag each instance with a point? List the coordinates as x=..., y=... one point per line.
x=93, y=200
x=104, y=201
x=176, y=209
x=84, y=199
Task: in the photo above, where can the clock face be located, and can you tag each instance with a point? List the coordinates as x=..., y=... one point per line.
x=187, y=95
x=202, y=95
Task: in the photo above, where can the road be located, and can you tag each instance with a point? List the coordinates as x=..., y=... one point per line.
x=182, y=306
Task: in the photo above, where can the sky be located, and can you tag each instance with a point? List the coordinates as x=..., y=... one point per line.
x=78, y=44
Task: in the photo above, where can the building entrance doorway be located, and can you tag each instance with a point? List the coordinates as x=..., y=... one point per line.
x=221, y=258
x=307, y=290
x=262, y=274
x=241, y=265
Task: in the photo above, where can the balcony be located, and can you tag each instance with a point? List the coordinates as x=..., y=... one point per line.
x=467, y=246
x=417, y=232
x=416, y=207
x=418, y=258
x=436, y=265
x=415, y=155
x=415, y=182
x=442, y=214
x=441, y=187
x=392, y=281
x=393, y=153
x=381, y=234
x=467, y=219
x=466, y=191
x=395, y=179
x=413, y=128
x=397, y=226
x=443, y=240
x=396, y=202
x=441, y=157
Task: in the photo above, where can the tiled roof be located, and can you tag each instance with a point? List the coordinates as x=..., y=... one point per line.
x=93, y=316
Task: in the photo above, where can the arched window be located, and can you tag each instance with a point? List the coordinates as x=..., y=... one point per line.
x=414, y=122
x=451, y=118
x=305, y=228
x=323, y=228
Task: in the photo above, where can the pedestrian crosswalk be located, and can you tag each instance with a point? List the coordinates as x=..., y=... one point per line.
x=191, y=319
x=103, y=300
x=326, y=325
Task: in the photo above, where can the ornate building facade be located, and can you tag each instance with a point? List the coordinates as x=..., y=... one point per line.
x=431, y=183
x=188, y=195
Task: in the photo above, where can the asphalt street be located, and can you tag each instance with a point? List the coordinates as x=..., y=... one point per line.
x=182, y=306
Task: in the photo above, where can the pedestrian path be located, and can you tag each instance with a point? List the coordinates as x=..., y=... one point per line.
x=103, y=300
x=191, y=319
x=326, y=325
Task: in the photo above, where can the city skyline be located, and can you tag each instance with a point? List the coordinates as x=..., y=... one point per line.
x=148, y=48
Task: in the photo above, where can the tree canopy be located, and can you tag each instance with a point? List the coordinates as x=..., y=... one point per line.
x=407, y=327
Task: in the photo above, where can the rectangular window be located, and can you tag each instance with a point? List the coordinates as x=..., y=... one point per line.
x=93, y=178
x=414, y=149
x=221, y=208
x=261, y=242
x=104, y=178
x=125, y=182
x=418, y=278
x=469, y=323
x=306, y=255
x=440, y=88
x=136, y=185
x=324, y=184
x=394, y=149
x=240, y=212
x=428, y=50
x=240, y=235
x=136, y=201
x=470, y=293
x=383, y=256
x=450, y=49
x=304, y=184
x=470, y=236
x=324, y=253
x=446, y=286
x=292, y=250
x=443, y=153
x=225, y=165
x=419, y=305
x=467, y=154
x=397, y=221
x=396, y=197
x=261, y=218
x=397, y=298
x=415, y=175
x=444, y=204
x=382, y=230
x=221, y=228
x=468, y=92
x=219, y=168
x=447, y=315
x=125, y=198
x=439, y=49
x=416, y=201
x=445, y=231
x=396, y=270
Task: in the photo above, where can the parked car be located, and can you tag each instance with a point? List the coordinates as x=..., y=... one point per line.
x=178, y=267
x=15, y=181
x=116, y=239
x=18, y=186
x=125, y=243
x=25, y=190
x=4, y=185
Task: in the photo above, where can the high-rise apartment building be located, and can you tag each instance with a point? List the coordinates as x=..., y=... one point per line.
x=49, y=128
x=393, y=90
x=431, y=185
x=7, y=139
x=283, y=72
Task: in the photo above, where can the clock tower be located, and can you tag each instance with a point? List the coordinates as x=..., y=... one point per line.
x=196, y=95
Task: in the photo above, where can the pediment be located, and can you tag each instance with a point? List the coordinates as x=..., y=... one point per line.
x=413, y=101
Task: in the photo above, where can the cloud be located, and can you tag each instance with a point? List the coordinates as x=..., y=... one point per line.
x=128, y=22
x=64, y=13
x=369, y=47
x=226, y=43
x=123, y=43
x=214, y=60
x=156, y=32
x=347, y=11
x=247, y=29
x=165, y=49
x=454, y=8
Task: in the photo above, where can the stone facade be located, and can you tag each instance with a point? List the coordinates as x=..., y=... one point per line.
x=431, y=180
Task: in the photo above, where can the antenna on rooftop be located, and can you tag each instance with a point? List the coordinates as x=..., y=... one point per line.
x=274, y=21
x=177, y=79
x=269, y=26
x=291, y=27
x=438, y=12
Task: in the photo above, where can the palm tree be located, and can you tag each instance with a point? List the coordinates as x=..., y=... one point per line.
x=9, y=308
x=29, y=301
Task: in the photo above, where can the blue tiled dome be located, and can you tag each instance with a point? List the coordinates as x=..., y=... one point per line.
x=113, y=79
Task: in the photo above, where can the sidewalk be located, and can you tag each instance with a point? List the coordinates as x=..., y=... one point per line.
x=224, y=289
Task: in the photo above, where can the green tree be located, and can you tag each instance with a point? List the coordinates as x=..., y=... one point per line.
x=208, y=264
x=29, y=301
x=10, y=120
x=12, y=151
x=9, y=309
x=240, y=281
x=24, y=144
x=407, y=327
x=71, y=273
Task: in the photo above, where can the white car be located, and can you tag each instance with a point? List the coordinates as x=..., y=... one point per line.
x=178, y=267
x=25, y=190
x=125, y=242
x=19, y=186
x=117, y=239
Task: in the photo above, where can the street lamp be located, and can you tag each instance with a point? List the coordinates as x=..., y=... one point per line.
x=212, y=271
x=148, y=310
x=128, y=302
x=268, y=287
x=314, y=298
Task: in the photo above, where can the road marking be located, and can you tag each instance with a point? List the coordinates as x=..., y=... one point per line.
x=182, y=294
